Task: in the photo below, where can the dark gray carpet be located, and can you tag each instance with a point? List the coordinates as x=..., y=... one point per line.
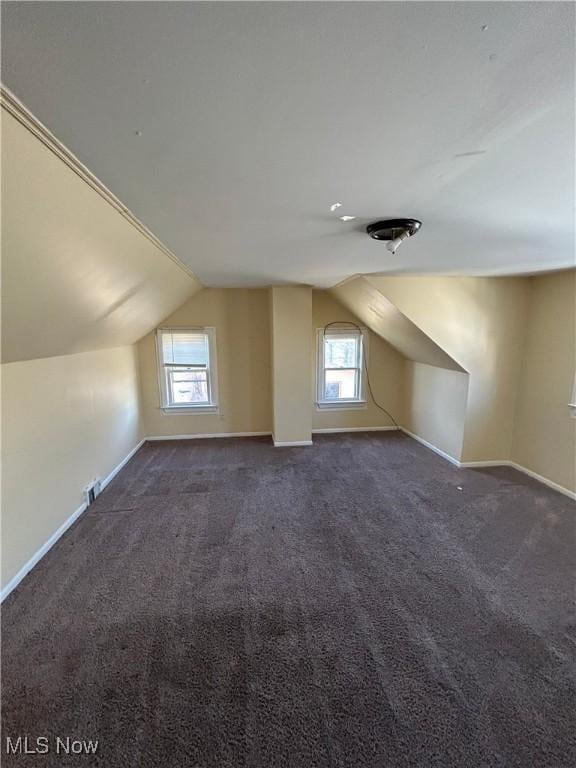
x=357, y=603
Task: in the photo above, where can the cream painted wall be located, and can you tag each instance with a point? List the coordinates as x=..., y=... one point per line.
x=545, y=432
x=291, y=317
x=384, y=318
x=76, y=274
x=435, y=405
x=242, y=322
x=65, y=421
x=480, y=322
x=385, y=365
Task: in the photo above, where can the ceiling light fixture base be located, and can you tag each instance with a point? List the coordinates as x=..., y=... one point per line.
x=391, y=229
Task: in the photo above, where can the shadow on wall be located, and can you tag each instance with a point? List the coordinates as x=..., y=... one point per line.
x=481, y=323
x=435, y=405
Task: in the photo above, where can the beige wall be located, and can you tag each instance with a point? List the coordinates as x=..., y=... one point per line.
x=242, y=322
x=385, y=365
x=435, y=405
x=76, y=274
x=291, y=317
x=243, y=334
x=480, y=322
x=545, y=433
x=380, y=314
x=516, y=336
x=65, y=421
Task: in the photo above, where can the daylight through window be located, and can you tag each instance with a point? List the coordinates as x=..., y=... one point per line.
x=187, y=368
x=340, y=376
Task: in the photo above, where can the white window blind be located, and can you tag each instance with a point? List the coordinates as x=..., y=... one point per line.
x=185, y=348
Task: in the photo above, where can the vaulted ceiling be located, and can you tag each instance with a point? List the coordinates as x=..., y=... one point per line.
x=78, y=273
x=230, y=128
x=383, y=317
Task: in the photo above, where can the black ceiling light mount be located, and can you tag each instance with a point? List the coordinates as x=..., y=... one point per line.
x=393, y=230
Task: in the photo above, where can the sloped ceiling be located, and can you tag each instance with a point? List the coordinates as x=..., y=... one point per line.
x=384, y=318
x=77, y=274
x=230, y=128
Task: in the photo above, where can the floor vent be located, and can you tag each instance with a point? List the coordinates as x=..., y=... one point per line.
x=92, y=491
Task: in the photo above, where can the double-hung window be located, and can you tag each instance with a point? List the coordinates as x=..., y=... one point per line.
x=187, y=363
x=340, y=370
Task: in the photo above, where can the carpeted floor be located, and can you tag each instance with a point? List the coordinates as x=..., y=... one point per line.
x=357, y=603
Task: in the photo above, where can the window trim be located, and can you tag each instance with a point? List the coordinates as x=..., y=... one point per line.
x=212, y=372
x=340, y=405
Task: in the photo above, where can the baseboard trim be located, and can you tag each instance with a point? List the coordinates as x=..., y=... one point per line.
x=544, y=480
x=492, y=463
x=277, y=443
x=486, y=464
x=524, y=470
x=122, y=464
x=61, y=530
x=153, y=438
x=290, y=443
x=335, y=430
x=37, y=556
x=432, y=447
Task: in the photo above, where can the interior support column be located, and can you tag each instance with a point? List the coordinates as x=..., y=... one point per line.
x=291, y=321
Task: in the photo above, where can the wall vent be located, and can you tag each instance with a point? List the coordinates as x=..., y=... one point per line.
x=92, y=491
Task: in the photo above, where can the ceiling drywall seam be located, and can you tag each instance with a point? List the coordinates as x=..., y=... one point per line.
x=21, y=113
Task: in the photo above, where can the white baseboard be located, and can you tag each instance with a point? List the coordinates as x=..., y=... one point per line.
x=487, y=464
x=39, y=554
x=277, y=443
x=333, y=430
x=152, y=438
x=122, y=464
x=432, y=447
x=545, y=480
x=290, y=443
x=492, y=463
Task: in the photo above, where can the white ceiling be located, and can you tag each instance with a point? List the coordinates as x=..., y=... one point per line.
x=256, y=117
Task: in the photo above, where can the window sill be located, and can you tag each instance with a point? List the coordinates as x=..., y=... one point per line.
x=342, y=405
x=173, y=410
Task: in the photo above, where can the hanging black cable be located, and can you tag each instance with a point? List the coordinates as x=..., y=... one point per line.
x=365, y=362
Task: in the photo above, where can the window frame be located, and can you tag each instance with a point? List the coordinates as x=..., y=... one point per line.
x=342, y=404
x=211, y=373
